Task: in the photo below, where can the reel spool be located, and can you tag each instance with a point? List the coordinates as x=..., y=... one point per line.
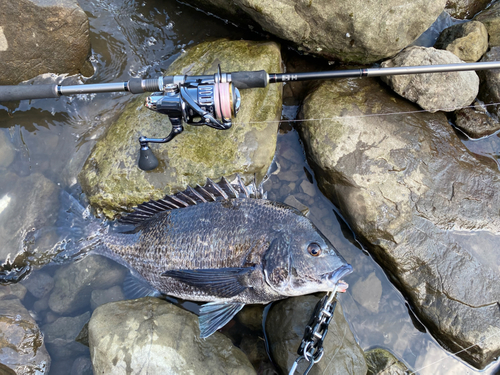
x=212, y=101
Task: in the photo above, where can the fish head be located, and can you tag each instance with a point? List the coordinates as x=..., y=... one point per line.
x=302, y=261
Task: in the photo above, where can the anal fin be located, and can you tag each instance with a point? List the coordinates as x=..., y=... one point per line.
x=215, y=315
x=137, y=287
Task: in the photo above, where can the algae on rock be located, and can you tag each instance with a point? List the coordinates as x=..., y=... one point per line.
x=114, y=183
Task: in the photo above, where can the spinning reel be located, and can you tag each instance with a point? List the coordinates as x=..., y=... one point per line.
x=212, y=101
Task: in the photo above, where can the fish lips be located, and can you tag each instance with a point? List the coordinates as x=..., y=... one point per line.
x=336, y=276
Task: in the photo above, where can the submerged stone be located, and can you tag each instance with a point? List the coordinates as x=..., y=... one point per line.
x=165, y=339
x=21, y=343
x=425, y=206
x=383, y=362
x=111, y=178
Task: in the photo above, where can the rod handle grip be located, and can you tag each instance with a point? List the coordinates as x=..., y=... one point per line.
x=21, y=92
x=248, y=80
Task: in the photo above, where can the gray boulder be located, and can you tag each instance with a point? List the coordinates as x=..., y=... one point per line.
x=111, y=178
x=424, y=205
x=432, y=91
x=21, y=342
x=489, y=90
x=468, y=41
x=491, y=19
x=75, y=283
x=55, y=39
x=285, y=325
x=351, y=31
x=165, y=339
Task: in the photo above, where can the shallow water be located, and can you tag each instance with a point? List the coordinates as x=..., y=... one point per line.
x=52, y=138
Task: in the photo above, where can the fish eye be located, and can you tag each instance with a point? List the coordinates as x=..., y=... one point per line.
x=314, y=249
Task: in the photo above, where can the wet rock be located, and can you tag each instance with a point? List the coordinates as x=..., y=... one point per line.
x=489, y=91
x=20, y=210
x=39, y=284
x=41, y=304
x=491, y=19
x=12, y=291
x=165, y=338
x=468, y=41
x=74, y=283
x=4, y=370
x=285, y=327
x=382, y=362
x=251, y=317
x=354, y=31
x=82, y=366
x=60, y=336
x=475, y=121
x=7, y=152
x=465, y=9
x=113, y=182
x=254, y=348
x=21, y=342
x=433, y=91
x=101, y=296
x=420, y=201
x=57, y=42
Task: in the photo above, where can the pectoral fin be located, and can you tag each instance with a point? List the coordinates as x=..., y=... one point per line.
x=222, y=282
x=215, y=315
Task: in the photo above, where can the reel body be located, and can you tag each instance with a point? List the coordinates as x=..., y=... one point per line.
x=207, y=100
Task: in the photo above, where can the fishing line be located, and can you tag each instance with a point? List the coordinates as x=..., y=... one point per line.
x=361, y=116
x=460, y=351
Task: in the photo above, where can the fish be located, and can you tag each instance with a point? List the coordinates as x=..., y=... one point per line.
x=224, y=244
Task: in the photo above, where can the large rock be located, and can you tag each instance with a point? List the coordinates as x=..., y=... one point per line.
x=351, y=31
x=21, y=211
x=468, y=41
x=465, y=9
x=491, y=19
x=54, y=38
x=424, y=205
x=489, y=90
x=382, y=362
x=113, y=182
x=21, y=342
x=432, y=91
x=285, y=325
x=74, y=284
x=151, y=336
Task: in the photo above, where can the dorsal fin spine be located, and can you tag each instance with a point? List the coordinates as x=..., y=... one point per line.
x=223, y=190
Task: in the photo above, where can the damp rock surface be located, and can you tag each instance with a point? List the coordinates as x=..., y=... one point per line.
x=285, y=325
x=151, y=336
x=489, y=90
x=424, y=205
x=55, y=39
x=433, y=92
x=491, y=19
x=114, y=183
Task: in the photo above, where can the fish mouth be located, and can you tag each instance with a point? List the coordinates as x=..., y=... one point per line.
x=335, y=277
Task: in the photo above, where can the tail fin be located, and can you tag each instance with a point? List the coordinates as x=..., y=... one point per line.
x=74, y=235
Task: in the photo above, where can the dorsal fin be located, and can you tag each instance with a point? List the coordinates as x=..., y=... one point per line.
x=211, y=192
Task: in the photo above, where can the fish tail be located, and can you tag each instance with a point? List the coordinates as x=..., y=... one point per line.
x=74, y=235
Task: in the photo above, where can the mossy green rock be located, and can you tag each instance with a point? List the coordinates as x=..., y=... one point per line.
x=383, y=362
x=114, y=183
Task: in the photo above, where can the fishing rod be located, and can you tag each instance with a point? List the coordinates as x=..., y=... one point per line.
x=211, y=100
